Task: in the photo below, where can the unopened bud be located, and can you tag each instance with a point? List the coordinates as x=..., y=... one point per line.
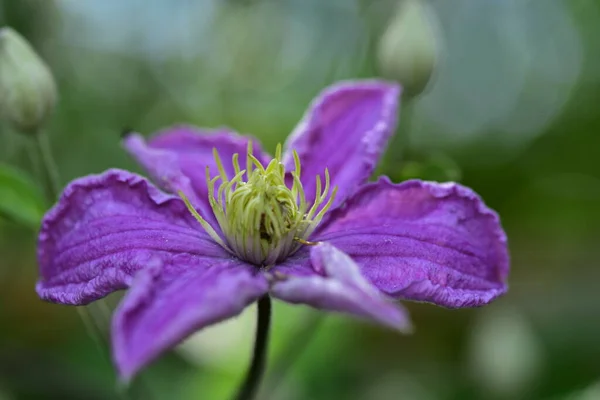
x=27, y=88
x=407, y=49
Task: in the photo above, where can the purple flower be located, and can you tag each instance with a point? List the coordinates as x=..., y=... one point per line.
x=238, y=224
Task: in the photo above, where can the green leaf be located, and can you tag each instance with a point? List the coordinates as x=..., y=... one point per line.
x=20, y=199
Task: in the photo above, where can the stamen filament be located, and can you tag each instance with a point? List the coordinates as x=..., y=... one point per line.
x=235, y=163
x=327, y=205
x=297, y=166
x=302, y=200
x=256, y=163
x=209, y=229
x=318, y=199
x=326, y=189
x=305, y=242
x=248, y=161
x=219, y=165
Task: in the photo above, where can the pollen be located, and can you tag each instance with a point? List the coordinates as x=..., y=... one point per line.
x=263, y=221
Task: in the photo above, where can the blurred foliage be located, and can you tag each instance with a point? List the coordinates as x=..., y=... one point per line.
x=20, y=198
x=511, y=110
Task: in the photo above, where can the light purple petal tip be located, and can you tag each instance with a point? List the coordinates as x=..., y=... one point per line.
x=169, y=302
x=346, y=130
x=106, y=227
x=177, y=158
x=335, y=283
x=423, y=241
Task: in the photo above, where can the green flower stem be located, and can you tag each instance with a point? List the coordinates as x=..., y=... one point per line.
x=249, y=387
x=49, y=170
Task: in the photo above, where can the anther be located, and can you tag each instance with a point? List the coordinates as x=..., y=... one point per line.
x=306, y=242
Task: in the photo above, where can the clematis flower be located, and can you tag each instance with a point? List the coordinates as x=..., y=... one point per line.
x=233, y=223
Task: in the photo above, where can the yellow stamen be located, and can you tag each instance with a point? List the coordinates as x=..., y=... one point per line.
x=209, y=229
x=262, y=220
x=305, y=242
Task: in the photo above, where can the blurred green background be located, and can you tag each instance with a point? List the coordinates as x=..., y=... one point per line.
x=512, y=110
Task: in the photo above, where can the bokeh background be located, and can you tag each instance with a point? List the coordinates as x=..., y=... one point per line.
x=512, y=109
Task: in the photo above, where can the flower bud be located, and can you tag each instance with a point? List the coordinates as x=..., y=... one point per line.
x=407, y=50
x=27, y=88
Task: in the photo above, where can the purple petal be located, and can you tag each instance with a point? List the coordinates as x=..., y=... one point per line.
x=106, y=227
x=177, y=158
x=423, y=241
x=174, y=299
x=335, y=283
x=346, y=129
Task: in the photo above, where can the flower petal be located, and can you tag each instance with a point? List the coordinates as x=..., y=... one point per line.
x=177, y=158
x=335, y=283
x=423, y=241
x=106, y=227
x=172, y=300
x=346, y=130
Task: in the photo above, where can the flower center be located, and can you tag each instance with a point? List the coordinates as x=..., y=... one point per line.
x=263, y=220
